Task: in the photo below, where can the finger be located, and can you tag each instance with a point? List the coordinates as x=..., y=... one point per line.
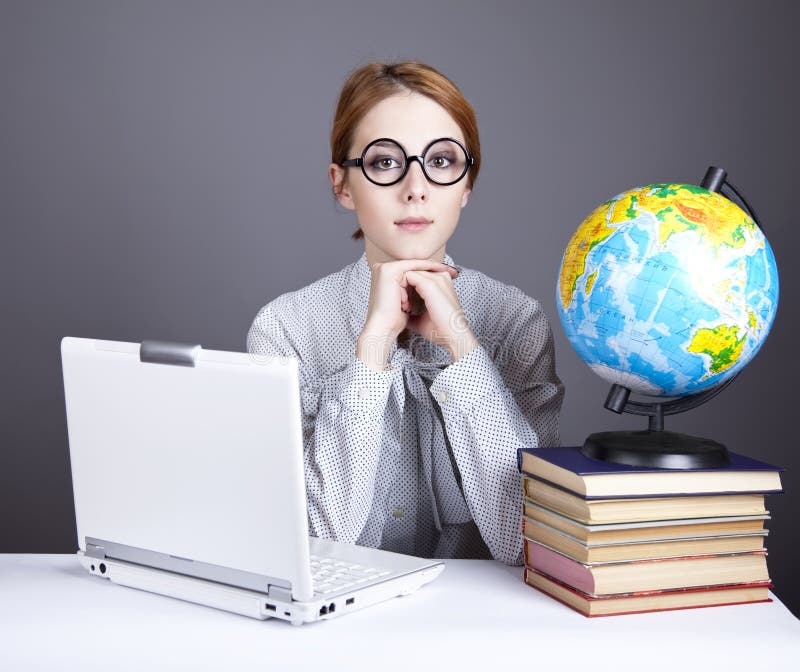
x=437, y=274
x=410, y=278
x=404, y=301
x=448, y=274
x=447, y=277
x=400, y=266
x=429, y=276
x=418, y=280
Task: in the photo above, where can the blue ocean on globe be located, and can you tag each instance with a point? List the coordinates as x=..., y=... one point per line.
x=667, y=289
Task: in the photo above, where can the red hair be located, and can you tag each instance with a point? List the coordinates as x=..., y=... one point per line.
x=374, y=82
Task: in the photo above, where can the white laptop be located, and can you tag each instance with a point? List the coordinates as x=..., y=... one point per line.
x=187, y=472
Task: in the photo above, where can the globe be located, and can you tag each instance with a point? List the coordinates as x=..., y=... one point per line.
x=667, y=289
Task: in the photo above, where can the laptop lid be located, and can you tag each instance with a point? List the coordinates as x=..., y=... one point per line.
x=191, y=460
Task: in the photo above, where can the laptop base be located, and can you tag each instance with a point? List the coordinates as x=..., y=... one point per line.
x=249, y=602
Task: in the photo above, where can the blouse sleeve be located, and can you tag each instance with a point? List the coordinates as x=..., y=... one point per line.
x=493, y=405
x=342, y=420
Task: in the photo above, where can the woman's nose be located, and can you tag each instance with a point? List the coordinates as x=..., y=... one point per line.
x=415, y=184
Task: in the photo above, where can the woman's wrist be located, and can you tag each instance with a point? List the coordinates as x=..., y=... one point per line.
x=461, y=345
x=373, y=349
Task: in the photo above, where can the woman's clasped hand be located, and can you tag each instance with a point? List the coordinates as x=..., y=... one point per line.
x=418, y=295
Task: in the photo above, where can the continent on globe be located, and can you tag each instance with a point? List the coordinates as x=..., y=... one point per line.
x=667, y=289
x=721, y=344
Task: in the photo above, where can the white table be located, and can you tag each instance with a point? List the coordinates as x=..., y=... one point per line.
x=477, y=615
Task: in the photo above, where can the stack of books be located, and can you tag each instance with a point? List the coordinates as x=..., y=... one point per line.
x=609, y=539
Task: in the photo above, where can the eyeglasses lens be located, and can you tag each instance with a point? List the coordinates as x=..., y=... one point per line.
x=444, y=162
x=384, y=162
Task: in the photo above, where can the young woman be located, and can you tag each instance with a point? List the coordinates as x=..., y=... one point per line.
x=419, y=380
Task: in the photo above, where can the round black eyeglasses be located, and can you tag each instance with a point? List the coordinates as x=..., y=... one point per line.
x=384, y=161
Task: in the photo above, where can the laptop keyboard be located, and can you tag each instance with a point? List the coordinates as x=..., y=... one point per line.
x=329, y=575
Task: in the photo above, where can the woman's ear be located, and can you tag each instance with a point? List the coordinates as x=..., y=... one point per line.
x=340, y=190
x=465, y=196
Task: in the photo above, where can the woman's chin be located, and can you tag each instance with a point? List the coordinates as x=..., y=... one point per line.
x=416, y=252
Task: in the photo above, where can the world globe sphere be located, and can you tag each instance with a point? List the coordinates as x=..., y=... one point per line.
x=667, y=289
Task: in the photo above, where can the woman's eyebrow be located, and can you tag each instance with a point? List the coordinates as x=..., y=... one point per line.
x=427, y=143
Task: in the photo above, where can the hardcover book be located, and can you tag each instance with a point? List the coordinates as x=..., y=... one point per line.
x=570, y=469
x=644, y=530
x=597, y=511
x=639, y=575
x=642, y=602
x=643, y=550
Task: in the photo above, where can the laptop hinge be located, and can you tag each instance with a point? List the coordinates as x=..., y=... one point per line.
x=95, y=551
x=279, y=593
x=164, y=352
x=277, y=588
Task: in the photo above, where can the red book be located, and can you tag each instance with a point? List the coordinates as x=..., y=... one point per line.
x=608, y=578
x=647, y=601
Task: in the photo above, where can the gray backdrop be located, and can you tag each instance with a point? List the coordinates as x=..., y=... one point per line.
x=163, y=175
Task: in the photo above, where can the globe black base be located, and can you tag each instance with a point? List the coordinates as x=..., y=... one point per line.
x=653, y=449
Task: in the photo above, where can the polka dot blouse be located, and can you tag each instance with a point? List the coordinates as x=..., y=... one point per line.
x=420, y=458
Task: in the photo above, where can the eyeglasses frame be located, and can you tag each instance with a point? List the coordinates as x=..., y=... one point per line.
x=409, y=160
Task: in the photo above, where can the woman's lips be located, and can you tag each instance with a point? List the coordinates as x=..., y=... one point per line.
x=413, y=223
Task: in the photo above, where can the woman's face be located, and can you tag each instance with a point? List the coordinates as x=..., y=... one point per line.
x=414, y=121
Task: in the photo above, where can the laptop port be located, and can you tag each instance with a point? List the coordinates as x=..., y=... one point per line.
x=350, y=600
x=102, y=568
x=323, y=610
x=332, y=608
x=270, y=607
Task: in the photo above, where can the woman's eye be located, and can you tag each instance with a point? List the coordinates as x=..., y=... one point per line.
x=439, y=161
x=385, y=163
